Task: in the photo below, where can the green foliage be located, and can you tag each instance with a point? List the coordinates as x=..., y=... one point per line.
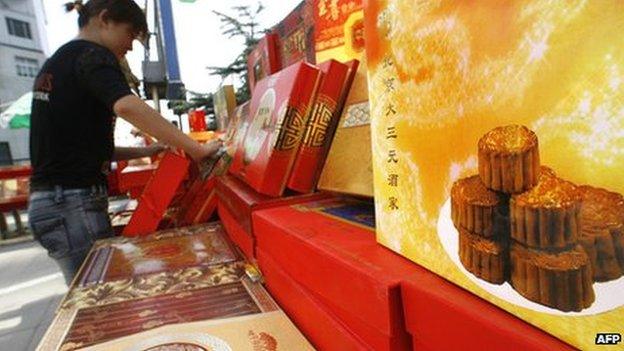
x=242, y=24
x=196, y=100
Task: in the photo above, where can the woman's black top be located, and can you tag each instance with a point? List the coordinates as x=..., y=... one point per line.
x=72, y=118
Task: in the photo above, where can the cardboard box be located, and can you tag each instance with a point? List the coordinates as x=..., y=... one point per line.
x=314, y=320
x=203, y=208
x=296, y=35
x=132, y=179
x=157, y=195
x=456, y=318
x=323, y=244
x=442, y=77
x=340, y=242
x=122, y=258
x=348, y=167
x=321, y=125
x=253, y=332
x=279, y=111
x=338, y=28
x=224, y=106
x=237, y=202
x=130, y=317
x=264, y=60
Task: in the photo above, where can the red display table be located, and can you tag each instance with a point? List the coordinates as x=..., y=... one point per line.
x=10, y=172
x=14, y=194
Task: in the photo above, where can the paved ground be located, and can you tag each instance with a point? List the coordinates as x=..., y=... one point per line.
x=31, y=287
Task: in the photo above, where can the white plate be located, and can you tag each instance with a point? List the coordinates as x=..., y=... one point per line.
x=608, y=295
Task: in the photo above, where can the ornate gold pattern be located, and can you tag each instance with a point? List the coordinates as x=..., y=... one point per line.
x=290, y=130
x=262, y=341
x=319, y=122
x=150, y=285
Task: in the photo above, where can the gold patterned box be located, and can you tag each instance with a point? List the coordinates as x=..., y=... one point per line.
x=224, y=105
x=348, y=167
x=122, y=258
x=338, y=29
x=279, y=111
x=271, y=331
x=86, y=323
x=487, y=119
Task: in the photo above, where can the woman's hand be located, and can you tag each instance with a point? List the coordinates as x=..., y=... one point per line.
x=156, y=148
x=208, y=151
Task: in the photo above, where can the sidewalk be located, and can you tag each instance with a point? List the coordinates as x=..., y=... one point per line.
x=31, y=287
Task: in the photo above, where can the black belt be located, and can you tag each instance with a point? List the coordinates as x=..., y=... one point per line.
x=47, y=187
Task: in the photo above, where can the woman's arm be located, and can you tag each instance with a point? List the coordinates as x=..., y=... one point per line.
x=134, y=110
x=129, y=153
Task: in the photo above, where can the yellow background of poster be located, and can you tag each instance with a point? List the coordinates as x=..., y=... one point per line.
x=443, y=73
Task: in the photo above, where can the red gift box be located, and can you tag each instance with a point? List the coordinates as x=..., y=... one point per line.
x=314, y=320
x=132, y=179
x=263, y=60
x=325, y=244
x=199, y=203
x=197, y=120
x=321, y=124
x=443, y=316
x=237, y=202
x=278, y=114
x=322, y=245
x=157, y=195
x=329, y=20
x=296, y=35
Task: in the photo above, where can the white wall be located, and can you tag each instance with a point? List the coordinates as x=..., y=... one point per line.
x=13, y=86
x=19, y=141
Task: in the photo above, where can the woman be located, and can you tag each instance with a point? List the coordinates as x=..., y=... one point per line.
x=77, y=95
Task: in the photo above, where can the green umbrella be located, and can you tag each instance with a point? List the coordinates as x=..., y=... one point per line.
x=18, y=114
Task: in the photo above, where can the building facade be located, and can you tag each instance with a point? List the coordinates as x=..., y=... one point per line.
x=22, y=45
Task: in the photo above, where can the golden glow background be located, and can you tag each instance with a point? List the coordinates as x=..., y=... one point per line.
x=460, y=68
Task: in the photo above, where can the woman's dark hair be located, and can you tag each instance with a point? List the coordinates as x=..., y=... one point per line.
x=121, y=11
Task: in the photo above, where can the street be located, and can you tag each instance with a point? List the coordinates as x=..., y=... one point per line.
x=31, y=287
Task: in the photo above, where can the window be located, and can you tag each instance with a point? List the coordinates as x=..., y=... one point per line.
x=26, y=67
x=18, y=28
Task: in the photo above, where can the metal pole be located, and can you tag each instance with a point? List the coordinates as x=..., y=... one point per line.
x=156, y=99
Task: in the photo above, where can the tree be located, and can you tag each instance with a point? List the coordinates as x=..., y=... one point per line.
x=241, y=25
x=196, y=100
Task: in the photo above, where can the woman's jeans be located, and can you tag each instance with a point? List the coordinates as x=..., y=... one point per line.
x=67, y=222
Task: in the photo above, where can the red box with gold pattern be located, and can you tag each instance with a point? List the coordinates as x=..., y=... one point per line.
x=321, y=124
x=263, y=60
x=122, y=258
x=279, y=112
x=325, y=243
x=330, y=17
x=296, y=35
x=237, y=201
